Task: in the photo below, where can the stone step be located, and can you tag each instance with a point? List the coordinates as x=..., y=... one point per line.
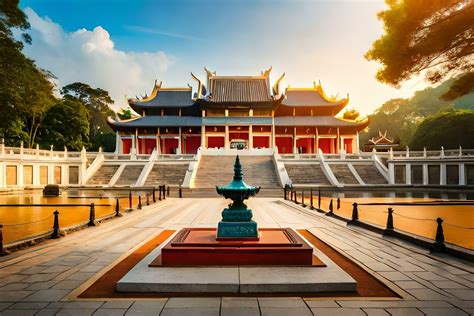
x=103, y=175
x=129, y=175
x=343, y=174
x=306, y=174
x=169, y=174
x=370, y=174
x=218, y=170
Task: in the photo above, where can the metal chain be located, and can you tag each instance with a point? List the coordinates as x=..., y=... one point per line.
x=19, y=224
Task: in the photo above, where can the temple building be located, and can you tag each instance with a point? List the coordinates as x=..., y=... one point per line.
x=241, y=112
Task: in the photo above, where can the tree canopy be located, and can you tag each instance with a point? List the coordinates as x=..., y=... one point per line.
x=449, y=129
x=434, y=37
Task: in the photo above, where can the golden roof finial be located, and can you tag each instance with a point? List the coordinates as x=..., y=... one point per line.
x=276, y=86
x=266, y=73
x=209, y=73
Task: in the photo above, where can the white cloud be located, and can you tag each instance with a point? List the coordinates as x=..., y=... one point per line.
x=91, y=57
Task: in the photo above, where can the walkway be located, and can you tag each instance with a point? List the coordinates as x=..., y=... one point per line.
x=37, y=281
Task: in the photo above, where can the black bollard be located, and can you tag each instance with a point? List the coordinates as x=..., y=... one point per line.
x=130, y=206
x=389, y=229
x=92, y=221
x=296, y=197
x=330, y=206
x=168, y=191
x=319, y=198
x=355, y=214
x=117, y=208
x=303, y=204
x=338, y=203
x=438, y=245
x=147, y=199
x=139, y=206
x=311, y=206
x=180, y=192
x=159, y=193
x=154, y=195
x=284, y=193
x=3, y=252
x=55, y=233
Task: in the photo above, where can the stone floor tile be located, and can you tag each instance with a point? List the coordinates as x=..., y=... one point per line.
x=240, y=311
x=198, y=311
x=337, y=312
x=393, y=304
x=395, y=276
x=430, y=276
x=47, y=295
x=427, y=294
x=47, y=312
x=443, y=311
x=281, y=302
x=5, y=305
x=117, y=304
x=14, y=296
x=193, y=302
x=67, y=284
x=378, y=266
x=91, y=268
x=14, y=287
x=81, y=276
x=41, y=285
x=58, y=269
x=110, y=312
x=448, y=284
x=467, y=295
x=19, y=312
x=28, y=305
x=242, y=302
x=83, y=304
x=407, y=285
x=75, y=312
x=146, y=308
x=285, y=311
x=318, y=303
x=404, y=312
x=375, y=312
x=42, y=277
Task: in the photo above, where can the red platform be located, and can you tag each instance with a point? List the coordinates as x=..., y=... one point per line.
x=199, y=246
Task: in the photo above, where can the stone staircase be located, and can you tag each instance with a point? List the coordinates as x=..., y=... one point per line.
x=306, y=174
x=169, y=174
x=103, y=175
x=370, y=174
x=343, y=174
x=218, y=170
x=129, y=175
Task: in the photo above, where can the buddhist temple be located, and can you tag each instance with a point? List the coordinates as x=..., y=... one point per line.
x=381, y=143
x=242, y=112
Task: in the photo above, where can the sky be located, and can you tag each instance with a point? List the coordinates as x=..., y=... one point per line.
x=123, y=46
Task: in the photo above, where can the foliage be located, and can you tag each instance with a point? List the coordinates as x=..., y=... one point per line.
x=124, y=114
x=461, y=87
x=401, y=117
x=425, y=36
x=97, y=102
x=448, y=129
x=14, y=133
x=351, y=114
x=26, y=91
x=66, y=124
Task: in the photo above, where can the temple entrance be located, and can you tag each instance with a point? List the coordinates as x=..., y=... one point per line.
x=348, y=145
x=284, y=144
x=169, y=145
x=305, y=145
x=238, y=144
x=126, y=145
x=326, y=145
x=261, y=141
x=191, y=144
x=215, y=141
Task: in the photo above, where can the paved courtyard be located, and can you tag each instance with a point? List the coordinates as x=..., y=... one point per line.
x=41, y=280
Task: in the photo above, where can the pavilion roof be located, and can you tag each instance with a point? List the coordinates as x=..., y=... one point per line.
x=311, y=97
x=164, y=98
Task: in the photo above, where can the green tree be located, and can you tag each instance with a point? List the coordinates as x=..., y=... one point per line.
x=97, y=102
x=434, y=37
x=26, y=91
x=66, y=124
x=449, y=129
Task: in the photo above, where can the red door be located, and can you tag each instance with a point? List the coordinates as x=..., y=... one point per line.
x=261, y=141
x=149, y=145
x=192, y=144
x=305, y=145
x=169, y=145
x=215, y=141
x=325, y=145
x=348, y=145
x=126, y=145
x=284, y=144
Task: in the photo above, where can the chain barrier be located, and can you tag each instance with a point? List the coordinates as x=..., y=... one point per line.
x=27, y=223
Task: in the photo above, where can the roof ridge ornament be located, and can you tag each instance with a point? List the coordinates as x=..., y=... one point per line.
x=276, y=86
x=266, y=73
x=201, y=90
x=210, y=73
